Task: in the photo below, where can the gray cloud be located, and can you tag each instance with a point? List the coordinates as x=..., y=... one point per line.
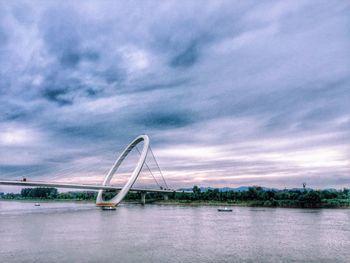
x=230, y=93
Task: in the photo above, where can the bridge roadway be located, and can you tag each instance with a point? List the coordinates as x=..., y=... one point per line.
x=82, y=186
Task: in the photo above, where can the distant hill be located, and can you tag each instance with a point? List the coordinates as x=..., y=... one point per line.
x=226, y=189
x=246, y=188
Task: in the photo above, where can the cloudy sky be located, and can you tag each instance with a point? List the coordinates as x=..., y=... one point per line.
x=230, y=92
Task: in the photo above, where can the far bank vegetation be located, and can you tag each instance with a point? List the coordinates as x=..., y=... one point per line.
x=253, y=196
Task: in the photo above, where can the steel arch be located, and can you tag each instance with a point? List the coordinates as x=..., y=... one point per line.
x=120, y=196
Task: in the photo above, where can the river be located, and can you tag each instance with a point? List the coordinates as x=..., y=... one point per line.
x=79, y=232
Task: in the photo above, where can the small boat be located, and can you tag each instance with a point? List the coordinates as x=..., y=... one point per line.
x=224, y=209
x=109, y=208
x=36, y=204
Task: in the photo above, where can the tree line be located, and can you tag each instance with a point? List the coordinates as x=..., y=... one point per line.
x=51, y=193
x=257, y=196
x=254, y=196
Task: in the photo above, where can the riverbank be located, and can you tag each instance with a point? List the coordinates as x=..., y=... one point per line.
x=43, y=200
x=255, y=196
x=38, y=200
x=326, y=204
x=345, y=205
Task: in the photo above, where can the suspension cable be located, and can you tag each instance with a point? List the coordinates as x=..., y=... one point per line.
x=149, y=169
x=158, y=167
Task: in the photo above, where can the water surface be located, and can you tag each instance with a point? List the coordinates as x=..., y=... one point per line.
x=78, y=232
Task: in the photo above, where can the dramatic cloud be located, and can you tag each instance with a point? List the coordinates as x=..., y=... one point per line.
x=230, y=92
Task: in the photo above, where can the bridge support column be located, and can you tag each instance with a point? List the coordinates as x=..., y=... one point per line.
x=143, y=198
x=166, y=197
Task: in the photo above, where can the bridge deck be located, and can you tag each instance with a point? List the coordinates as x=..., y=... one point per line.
x=81, y=186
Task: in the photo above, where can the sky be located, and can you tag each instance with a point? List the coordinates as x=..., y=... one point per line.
x=230, y=93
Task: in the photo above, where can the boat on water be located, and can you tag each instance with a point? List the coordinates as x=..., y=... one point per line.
x=225, y=209
x=109, y=208
x=36, y=204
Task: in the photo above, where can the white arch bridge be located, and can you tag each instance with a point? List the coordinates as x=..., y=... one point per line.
x=122, y=191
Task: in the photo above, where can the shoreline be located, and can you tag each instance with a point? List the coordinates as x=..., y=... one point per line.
x=243, y=204
x=175, y=203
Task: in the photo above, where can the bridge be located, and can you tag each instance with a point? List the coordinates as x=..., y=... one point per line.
x=122, y=191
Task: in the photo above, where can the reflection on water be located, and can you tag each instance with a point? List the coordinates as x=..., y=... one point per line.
x=70, y=232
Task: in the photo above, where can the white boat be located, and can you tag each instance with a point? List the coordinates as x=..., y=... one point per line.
x=225, y=209
x=109, y=208
x=36, y=204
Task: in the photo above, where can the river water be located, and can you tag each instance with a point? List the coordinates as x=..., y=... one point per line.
x=78, y=232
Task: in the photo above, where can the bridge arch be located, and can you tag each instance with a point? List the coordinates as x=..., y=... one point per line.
x=120, y=196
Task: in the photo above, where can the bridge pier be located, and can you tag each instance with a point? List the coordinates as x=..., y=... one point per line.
x=166, y=197
x=143, y=198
